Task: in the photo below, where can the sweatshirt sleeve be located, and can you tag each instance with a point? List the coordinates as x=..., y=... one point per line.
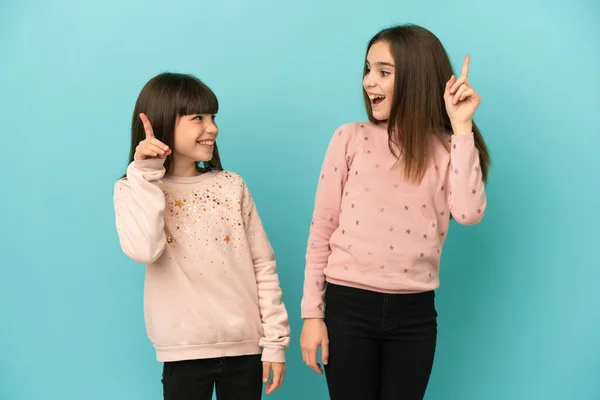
x=328, y=200
x=139, y=205
x=466, y=192
x=274, y=316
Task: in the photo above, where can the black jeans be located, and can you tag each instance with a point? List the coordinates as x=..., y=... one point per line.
x=381, y=346
x=235, y=378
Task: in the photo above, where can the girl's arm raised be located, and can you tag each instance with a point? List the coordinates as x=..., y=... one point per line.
x=328, y=200
x=466, y=192
x=276, y=329
x=139, y=205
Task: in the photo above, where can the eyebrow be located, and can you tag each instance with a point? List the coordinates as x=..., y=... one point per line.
x=383, y=64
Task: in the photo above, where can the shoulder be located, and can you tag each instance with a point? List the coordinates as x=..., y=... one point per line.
x=350, y=129
x=121, y=184
x=360, y=129
x=349, y=132
x=237, y=186
x=233, y=179
x=347, y=127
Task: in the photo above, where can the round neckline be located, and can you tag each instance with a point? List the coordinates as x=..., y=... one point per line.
x=190, y=179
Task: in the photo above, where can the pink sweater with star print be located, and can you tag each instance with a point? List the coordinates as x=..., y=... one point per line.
x=373, y=230
x=211, y=286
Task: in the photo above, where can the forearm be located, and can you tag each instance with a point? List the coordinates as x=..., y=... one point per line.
x=139, y=206
x=466, y=195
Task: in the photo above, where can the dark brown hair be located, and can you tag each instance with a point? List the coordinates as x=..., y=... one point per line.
x=165, y=98
x=418, y=112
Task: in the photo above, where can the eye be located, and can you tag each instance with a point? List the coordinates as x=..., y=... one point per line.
x=385, y=73
x=367, y=70
x=197, y=118
x=214, y=117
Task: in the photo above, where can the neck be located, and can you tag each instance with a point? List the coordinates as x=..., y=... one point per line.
x=184, y=169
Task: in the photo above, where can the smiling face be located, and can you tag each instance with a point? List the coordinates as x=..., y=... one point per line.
x=378, y=81
x=181, y=110
x=194, y=138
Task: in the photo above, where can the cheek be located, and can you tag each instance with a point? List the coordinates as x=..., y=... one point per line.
x=183, y=140
x=178, y=139
x=389, y=89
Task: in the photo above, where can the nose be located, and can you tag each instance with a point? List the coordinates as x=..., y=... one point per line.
x=211, y=128
x=368, y=81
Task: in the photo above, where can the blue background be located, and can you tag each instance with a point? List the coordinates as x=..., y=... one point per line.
x=519, y=298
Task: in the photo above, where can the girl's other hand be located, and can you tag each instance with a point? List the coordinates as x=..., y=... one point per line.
x=277, y=377
x=314, y=334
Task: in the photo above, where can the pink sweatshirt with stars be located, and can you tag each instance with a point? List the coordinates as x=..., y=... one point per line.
x=372, y=229
x=211, y=286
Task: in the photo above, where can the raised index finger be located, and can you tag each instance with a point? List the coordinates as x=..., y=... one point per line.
x=465, y=68
x=147, y=126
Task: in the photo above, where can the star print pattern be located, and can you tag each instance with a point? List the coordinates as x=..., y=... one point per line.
x=387, y=221
x=213, y=210
x=212, y=217
x=201, y=235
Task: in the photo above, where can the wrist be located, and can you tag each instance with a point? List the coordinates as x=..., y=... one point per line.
x=273, y=355
x=462, y=128
x=312, y=320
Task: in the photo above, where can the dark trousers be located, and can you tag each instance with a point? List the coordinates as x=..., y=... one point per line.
x=235, y=378
x=381, y=346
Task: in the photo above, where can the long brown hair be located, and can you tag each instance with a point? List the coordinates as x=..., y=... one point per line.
x=418, y=112
x=165, y=98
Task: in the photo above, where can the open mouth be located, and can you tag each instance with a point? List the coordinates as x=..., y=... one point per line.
x=206, y=143
x=376, y=99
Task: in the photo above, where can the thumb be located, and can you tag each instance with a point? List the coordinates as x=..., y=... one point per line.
x=325, y=352
x=448, y=86
x=266, y=371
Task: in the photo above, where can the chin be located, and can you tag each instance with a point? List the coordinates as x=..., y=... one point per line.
x=379, y=117
x=203, y=156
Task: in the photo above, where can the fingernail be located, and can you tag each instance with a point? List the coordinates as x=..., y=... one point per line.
x=264, y=379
